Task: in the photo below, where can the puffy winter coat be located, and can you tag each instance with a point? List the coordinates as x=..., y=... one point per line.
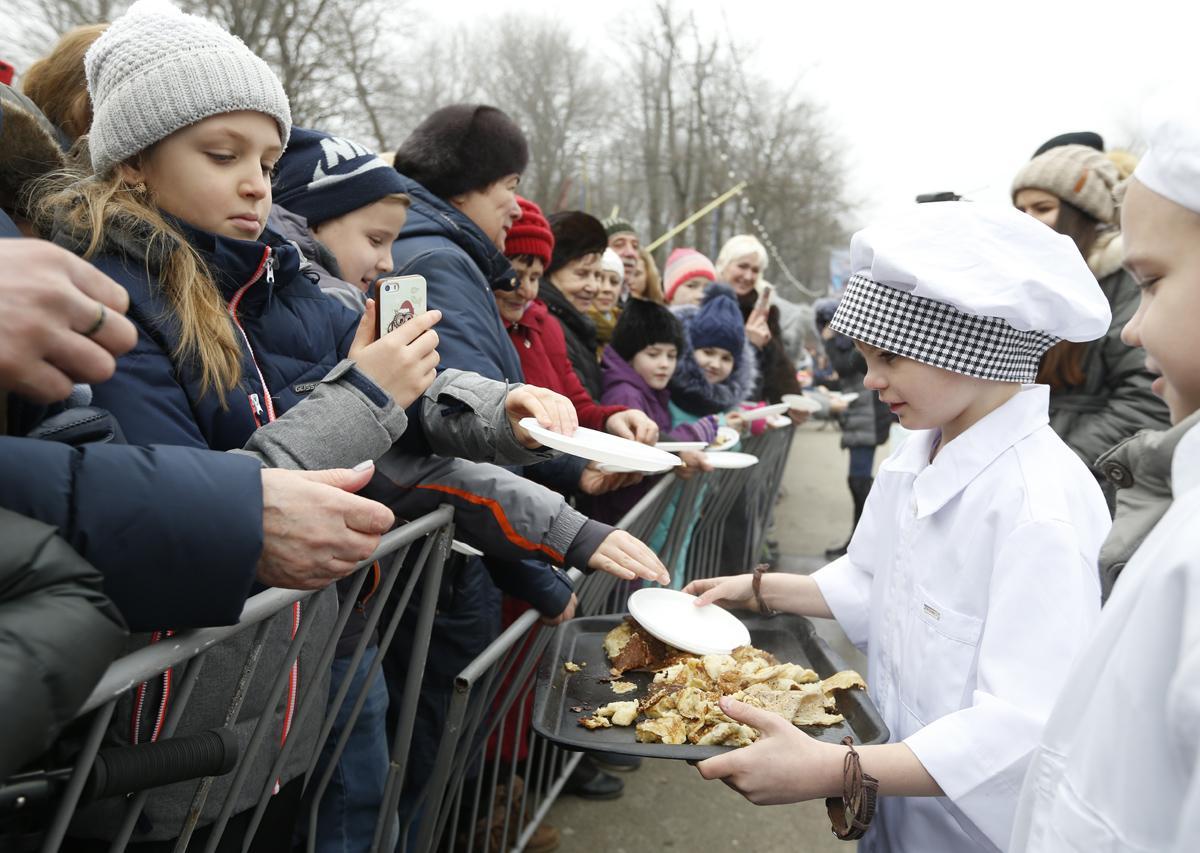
x=461, y=267
x=1139, y=469
x=777, y=374
x=58, y=634
x=1114, y=401
x=580, y=334
x=539, y=341
x=694, y=394
x=866, y=420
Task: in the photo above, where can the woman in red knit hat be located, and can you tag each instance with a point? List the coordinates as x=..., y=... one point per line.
x=540, y=343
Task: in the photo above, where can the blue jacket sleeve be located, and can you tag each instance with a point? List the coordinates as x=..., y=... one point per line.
x=561, y=473
x=539, y=584
x=176, y=532
x=470, y=334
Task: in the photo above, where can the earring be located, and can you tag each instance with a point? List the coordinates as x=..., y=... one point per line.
x=138, y=189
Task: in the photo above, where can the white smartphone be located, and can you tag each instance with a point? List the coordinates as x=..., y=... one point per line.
x=400, y=299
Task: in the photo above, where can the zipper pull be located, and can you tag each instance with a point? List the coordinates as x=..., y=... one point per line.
x=256, y=409
x=270, y=266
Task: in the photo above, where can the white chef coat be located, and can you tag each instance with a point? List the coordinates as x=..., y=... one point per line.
x=1119, y=763
x=972, y=582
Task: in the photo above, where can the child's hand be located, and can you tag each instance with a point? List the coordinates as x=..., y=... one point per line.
x=594, y=482
x=634, y=425
x=624, y=555
x=735, y=420
x=552, y=411
x=730, y=591
x=402, y=363
x=783, y=766
x=694, y=462
x=798, y=417
x=568, y=613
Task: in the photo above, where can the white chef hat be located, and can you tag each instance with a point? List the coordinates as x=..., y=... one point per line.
x=1172, y=165
x=977, y=289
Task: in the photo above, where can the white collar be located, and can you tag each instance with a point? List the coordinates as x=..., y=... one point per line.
x=961, y=461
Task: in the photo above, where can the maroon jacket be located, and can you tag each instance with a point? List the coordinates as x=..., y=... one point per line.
x=542, y=347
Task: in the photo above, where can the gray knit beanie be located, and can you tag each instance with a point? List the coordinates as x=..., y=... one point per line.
x=157, y=70
x=1076, y=174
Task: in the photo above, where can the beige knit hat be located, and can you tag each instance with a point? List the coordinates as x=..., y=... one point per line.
x=156, y=70
x=1076, y=174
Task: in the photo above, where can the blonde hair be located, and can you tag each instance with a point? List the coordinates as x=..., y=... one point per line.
x=653, y=292
x=740, y=246
x=399, y=198
x=89, y=209
x=58, y=85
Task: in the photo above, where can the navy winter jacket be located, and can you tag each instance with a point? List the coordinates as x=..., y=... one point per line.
x=294, y=335
x=461, y=268
x=175, y=531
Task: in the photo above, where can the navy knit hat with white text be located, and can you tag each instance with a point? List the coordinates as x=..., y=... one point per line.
x=322, y=177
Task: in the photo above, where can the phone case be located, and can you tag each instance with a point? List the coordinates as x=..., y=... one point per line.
x=400, y=299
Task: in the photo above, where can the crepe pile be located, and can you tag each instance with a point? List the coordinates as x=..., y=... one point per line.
x=681, y=703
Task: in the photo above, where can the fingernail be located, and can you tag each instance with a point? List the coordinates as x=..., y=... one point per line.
x=363, y=466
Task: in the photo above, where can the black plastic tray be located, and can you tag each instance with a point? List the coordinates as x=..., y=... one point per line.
x=790, y=638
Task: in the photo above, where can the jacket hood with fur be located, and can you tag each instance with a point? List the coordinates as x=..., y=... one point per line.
x=693, y=393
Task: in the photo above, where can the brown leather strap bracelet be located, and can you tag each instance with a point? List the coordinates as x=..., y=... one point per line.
x=851, y=813
x=760, y=570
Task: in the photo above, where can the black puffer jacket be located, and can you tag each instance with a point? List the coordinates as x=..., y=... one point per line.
x=580, y=333
x=866, y=421
x=58, y=633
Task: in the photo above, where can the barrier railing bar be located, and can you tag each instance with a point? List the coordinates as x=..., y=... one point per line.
x=196, y=809
x=186, y=685
x=265, y=722
x=430, y=563
x=87, y=756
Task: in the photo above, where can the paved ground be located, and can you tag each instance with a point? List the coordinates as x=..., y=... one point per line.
x=667, y=806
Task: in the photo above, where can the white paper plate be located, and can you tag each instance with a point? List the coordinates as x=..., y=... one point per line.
x=603, y=447
x=678, y=446
x=464, y=548
x=732, y=459
x=800, y=403
x=606, y=468
x=848, y=397
x=761, y=412
x=779, y=421
x=731, y=437
x=671, y=617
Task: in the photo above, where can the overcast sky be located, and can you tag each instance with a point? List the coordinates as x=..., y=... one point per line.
x=930, y=96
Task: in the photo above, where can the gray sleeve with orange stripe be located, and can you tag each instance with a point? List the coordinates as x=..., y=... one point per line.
x=463, y=415
x=498, y=512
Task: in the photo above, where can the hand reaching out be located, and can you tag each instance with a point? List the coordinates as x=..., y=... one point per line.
x=624, y=555
x=553, y=412
x=403, y=363
x=634, y=425
x=729, y=591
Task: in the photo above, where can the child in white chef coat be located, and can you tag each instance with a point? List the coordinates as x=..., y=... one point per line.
x=971, y=579
x=1118, y=767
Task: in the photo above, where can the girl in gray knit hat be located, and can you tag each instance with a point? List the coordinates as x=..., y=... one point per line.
x=188, y=128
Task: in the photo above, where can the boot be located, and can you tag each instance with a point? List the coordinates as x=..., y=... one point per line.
x=860, y=487
x=591, y=783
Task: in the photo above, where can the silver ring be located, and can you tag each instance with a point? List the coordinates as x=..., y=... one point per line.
x=100, y=318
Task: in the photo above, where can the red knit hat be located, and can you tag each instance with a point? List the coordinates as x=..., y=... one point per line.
x=530, y=235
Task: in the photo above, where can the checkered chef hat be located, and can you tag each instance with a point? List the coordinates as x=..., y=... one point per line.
x=972, y=288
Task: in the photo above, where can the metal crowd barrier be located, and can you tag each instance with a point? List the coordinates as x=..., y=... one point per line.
x=475, y=798
x=134, y=771
x=479, y=800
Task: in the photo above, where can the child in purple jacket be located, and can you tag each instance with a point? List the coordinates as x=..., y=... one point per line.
x=638, y=366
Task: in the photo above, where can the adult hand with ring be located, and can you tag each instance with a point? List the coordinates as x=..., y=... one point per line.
x=61, y=321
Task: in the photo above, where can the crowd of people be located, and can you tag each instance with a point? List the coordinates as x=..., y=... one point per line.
x=197, y=405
